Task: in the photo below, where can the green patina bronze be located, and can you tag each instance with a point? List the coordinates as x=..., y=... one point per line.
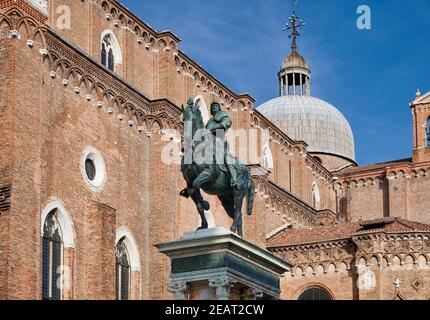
x=227, y=178
x=225, y=260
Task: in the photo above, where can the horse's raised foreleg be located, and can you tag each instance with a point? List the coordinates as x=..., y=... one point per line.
x=197, y=197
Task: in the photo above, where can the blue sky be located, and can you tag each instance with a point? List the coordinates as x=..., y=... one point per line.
x=369, y=75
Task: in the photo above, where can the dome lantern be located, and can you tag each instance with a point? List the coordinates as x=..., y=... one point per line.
x=294, y=76
x=304, y=118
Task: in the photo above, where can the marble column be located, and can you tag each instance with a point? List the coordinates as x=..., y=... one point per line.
x=222, y=287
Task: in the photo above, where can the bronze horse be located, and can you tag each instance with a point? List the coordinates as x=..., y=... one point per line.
x=213, y=179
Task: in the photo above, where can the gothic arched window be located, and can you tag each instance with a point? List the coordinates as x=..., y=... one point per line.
x=108, y=58
x=315, y=294
x=52, y=256
x=315, y=196
x=428, y=132
x=123, y=271
x=267, y=158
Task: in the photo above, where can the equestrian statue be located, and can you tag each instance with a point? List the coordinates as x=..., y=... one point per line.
x=219, y=173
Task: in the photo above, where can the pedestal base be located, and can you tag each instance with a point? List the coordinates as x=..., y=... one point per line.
x=216, y=264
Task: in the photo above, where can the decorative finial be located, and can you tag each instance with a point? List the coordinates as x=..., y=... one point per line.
x=418, y=93
x=294, y=23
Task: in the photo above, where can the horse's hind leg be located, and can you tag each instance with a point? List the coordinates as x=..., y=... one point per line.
x=201, y=211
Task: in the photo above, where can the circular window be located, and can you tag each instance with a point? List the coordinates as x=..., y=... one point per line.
x=93, y=168
x=90, y=169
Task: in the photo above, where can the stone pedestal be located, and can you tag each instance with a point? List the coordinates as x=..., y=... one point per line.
x=216, y=264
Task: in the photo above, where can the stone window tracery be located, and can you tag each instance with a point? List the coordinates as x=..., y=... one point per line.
x=52, y=256
x=108, y=59
x=111, y=55
x=123, y=271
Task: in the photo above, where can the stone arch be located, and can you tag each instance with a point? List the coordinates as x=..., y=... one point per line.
x=117, y=53
x=161, y=43
x=23, y=27
x=4, y=21
x=306, y=287
x=310, y=270
x=343, y=266
x=316, y=196
x=320, y=269
x=409, y=260
x=422, y=261
x=298, y=271
x=331, y=268
x=131, y=245
x=97, y=90
x=396, y=261
x=113, y=12
x=267, y=160
x=65, y=221
x=121, y=19
x=105, y=6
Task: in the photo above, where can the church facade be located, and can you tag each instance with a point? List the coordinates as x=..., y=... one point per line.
x=86, y=114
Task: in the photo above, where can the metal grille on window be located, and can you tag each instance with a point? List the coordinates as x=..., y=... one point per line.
x=315, y=294
x=122, y=271
x=52, y=257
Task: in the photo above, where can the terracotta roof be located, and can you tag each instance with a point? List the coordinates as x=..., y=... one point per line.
x=345, y=231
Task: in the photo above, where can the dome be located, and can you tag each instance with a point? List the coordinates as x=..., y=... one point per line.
x=294, y=60
x=318, y=123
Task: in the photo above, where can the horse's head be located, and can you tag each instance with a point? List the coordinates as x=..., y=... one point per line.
x=192, y=114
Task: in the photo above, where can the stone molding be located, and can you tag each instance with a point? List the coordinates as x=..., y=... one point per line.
x=288, y=207
x=374, y=247
x=167, y=42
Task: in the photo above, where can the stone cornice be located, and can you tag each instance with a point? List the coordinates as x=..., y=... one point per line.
x=27, y=10
x=122, y=17
x=323, y=257
x=86, y=76
x=286, y=205
x=372, y=176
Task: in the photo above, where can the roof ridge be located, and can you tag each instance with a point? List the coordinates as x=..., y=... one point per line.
x=414, y=225
x=277, y=232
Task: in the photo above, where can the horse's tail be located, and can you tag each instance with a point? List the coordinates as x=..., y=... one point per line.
x=250, y=198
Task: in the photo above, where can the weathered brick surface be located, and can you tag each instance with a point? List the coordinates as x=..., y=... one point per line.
x=46, y=126
x=7, y=69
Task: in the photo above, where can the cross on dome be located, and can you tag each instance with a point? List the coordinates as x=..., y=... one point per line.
x=293, y=24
